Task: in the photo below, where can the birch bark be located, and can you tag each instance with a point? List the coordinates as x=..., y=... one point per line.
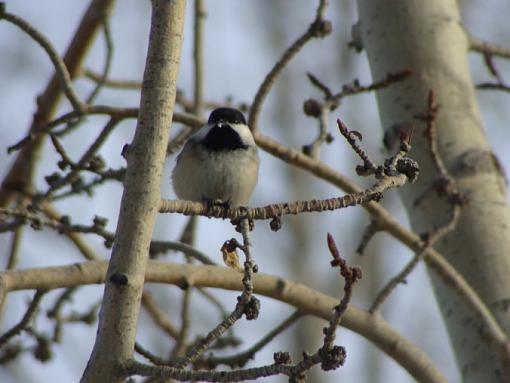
x=428, y=38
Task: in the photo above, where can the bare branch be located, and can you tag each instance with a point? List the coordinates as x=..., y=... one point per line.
x=484, y=47
x=25, y=321
x=240, y=360
x=303, y=298
x=60, y=66
x=318, y=29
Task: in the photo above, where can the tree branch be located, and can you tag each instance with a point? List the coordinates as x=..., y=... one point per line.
x=303, y=298
x=145, y=157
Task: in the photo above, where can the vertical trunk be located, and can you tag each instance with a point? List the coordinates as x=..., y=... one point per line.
x=140, y=201
x=427, y=37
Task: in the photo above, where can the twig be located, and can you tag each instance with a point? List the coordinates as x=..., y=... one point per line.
x=108, y=60
x=158, y=247
x=369, y=166
x=446, y=187
x=25, y=321
x=329, y=356
x=402, y=276
x=484, y=47
x=83, y=163
x=115, y=113
x=99, y=84
x=180, y=343
x=57, y=308
x=330, y=102
x=351, y=275
x=318, y=29
x=158, y=316
x=240, y=360
x=116, y=84
x=19, y=176
x=198, y=57
x=60, y=67
x=179, y=140
x=214, y=301
x=246, y=304
x=13, y=257
x=493, y=86
x=433, y=259
x=78, y=186
x=489, y=51
x=149, y=355
x=356, y=88
x=62, y=225
x=444, y=183
x=372, y=228
x=313, y=149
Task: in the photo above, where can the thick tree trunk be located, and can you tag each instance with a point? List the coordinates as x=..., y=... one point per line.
x=427, y=37
x=140, y=201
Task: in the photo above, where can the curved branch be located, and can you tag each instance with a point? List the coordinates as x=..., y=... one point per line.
x=60, y=66
x=318, y=28
x=20, y=174
x=302, y=297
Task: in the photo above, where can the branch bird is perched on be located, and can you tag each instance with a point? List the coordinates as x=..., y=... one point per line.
x=219, y=164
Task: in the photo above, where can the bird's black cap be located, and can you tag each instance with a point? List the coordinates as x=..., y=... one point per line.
x=230, y=115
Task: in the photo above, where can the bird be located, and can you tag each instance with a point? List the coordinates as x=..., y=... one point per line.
x=219, y=164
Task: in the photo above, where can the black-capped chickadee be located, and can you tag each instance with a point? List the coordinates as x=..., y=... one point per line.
x=219, y=163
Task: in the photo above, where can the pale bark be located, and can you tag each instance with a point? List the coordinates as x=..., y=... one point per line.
x=140, y=201
x=428, y=38
x=303, y=298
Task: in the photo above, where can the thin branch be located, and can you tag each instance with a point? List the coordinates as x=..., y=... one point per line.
x=214, y=301
x=180, y=342
x=246, y=304
x=318, y=29
x=356, y=88
x=55, y=312
x=158, y=316
x=99, y=84
x=198, y=56
x=369, y=167
x=19, y=176
x=108, y=60
x=240, y=360
x=313, y=149
x=158, y=247
x=27, y=318
x=388, y=223
x=60, y=67
x=149, y=355
x=351, y=275
x=329, y=356
x=402, y=276
x=115, y=84
x=493, y=86
x=446, y=187
x=478, y=45
x=369, y=232
x=84, y=160
x=114, y=112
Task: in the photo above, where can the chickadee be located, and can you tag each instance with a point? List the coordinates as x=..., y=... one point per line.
x=219, y=163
